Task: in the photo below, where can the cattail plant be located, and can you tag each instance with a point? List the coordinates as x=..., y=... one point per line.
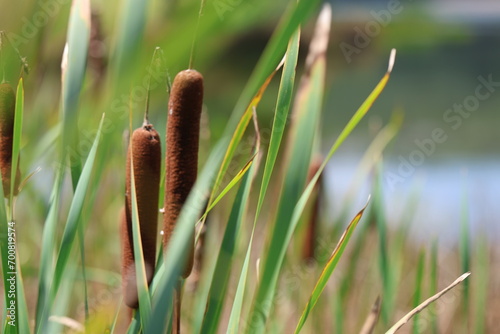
x=145, y=152
x=181, y=163
x=7, y=111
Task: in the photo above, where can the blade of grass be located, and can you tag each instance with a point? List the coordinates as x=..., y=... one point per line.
x=130, y=33
x=73, y=74
x=482, y=284
x=236, y=139
x=419, y=279
x=229, y=186
x=72, y=224
x=284, y=101
x=23, y=316
x=328, y=269
x=236, y=309
x=465, y=255
x=273, y=53
x=434, y=284
x=64, y=298
x=115, y=318
x=220, y=279
x=306, y=116
x=48, y=249
x=386, y=271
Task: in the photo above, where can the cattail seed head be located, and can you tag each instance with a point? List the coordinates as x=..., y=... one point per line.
x=145, y=149
x=313, y=220
x=183, y=129
x=7, y=112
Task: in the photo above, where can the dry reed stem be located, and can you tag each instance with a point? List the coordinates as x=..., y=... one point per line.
x=426, y=303
x=372, y=319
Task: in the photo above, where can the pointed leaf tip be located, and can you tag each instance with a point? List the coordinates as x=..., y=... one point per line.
x=392, y=60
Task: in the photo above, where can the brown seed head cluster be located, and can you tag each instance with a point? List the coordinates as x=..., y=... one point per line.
x=145, y=151
x=183, y=129
x=7, y=111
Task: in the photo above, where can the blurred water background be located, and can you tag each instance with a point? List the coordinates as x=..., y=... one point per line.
x=443, y=48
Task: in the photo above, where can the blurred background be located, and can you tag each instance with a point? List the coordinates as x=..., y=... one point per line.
x=445, y=50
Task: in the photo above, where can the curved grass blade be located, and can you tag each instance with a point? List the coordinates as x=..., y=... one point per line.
x=329, y=268
x=306, y=117
x=192, y=209
x=230, y=186
x=236, y=139
x=285, y=94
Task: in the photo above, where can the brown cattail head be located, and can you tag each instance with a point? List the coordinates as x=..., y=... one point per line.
x=145, y=149
x=7, y=111
x=183, y=131
x=312, y=223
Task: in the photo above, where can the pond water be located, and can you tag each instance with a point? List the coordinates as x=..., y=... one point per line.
x=446, y=192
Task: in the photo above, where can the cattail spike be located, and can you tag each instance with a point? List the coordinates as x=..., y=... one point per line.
x=312, y=223
x=183, y=129
x=145, y=149
x=7, y=112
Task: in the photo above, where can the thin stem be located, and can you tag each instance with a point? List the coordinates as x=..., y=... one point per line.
x=193, y=45
x=146, y=113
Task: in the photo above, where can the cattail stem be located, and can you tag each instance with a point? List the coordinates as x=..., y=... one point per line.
x=145, y=149
x=183, y=128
